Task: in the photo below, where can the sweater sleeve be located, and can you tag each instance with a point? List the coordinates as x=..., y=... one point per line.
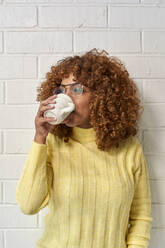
x=33, y=187
x=140, y=213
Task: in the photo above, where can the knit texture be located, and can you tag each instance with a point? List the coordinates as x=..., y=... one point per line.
x=96, y=199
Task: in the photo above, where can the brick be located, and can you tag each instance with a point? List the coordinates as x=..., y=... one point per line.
x=153, y=1
x=9, y=192
x=1, y=197
x=112, y=41
x=154, y=141
x=153, y=42
x=17, y=67
x=43, y=212
x=136, y=17
x=18, y=142
x=20, y=220
x=8, y=162
x=22, y=238
x=153, y=115
x=157, y=237
x=45, y=63
x=154, y=90
x=139, y=87
x=145, y=66
x=72, y=16
x=1, y=148
x=1, y=46
x=110, y=1
x=21, y=91
x=155, y=162
x=39, y=1
x=160, y=187
x=1, y=92
x=158, y=211
x=39, y=42
x=11, y=16
x=1, y=239
x=139, y=136
x=18, y=116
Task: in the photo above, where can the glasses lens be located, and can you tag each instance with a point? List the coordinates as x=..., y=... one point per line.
x=58, y=90
x=77, y=89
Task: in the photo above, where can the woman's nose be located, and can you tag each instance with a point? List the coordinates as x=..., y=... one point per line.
x=67, y=90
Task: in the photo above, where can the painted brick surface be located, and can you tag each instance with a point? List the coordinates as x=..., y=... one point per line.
x=17, y=116
x=17, y=67
x=21, y=91
x=20, y=220
x=1, y=40
x=154, y=90
x=39, y=42
x=12, y=165
x=1, y=92
x=34, y=35
x=112, y=41
x=18, y=238
x=17, y=16
x=153, y=42
x=14, y=141
x=74, y=16
x=135, y=17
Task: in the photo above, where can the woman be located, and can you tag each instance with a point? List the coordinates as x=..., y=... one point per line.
x=90, y=170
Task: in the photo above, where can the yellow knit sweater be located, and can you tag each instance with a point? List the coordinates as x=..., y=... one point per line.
x=96, y=199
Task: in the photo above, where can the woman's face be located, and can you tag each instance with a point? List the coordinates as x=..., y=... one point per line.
x=80, y=117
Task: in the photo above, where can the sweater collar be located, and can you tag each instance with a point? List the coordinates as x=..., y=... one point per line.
x=83, y=134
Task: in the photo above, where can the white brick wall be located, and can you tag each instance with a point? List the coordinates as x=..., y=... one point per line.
x=39, y=1
x=153, y=41
x=116, y=41
x=1, y=92
x=144, y=66
x=153, y=1
x=1, y=42
x=26, y=89
x=136, y=17
x=74, y=16
x=13, y=67
x=34, y=35
x=38, y=42
x=17, y=17
x=22, y=238
x=154, y=90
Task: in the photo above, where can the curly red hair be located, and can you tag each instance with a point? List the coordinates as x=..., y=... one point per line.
x=115, y=102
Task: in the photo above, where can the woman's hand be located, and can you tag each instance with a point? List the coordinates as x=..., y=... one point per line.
x=41, y=123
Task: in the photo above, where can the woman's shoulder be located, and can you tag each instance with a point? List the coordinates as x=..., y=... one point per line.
x=132, y=143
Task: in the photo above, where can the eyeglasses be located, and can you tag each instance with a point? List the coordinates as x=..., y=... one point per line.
x=75, y=89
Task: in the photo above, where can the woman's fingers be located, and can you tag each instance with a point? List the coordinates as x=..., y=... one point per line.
x=44, y=105
x=49, y=100
x=47, y=119
x=44, y=108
